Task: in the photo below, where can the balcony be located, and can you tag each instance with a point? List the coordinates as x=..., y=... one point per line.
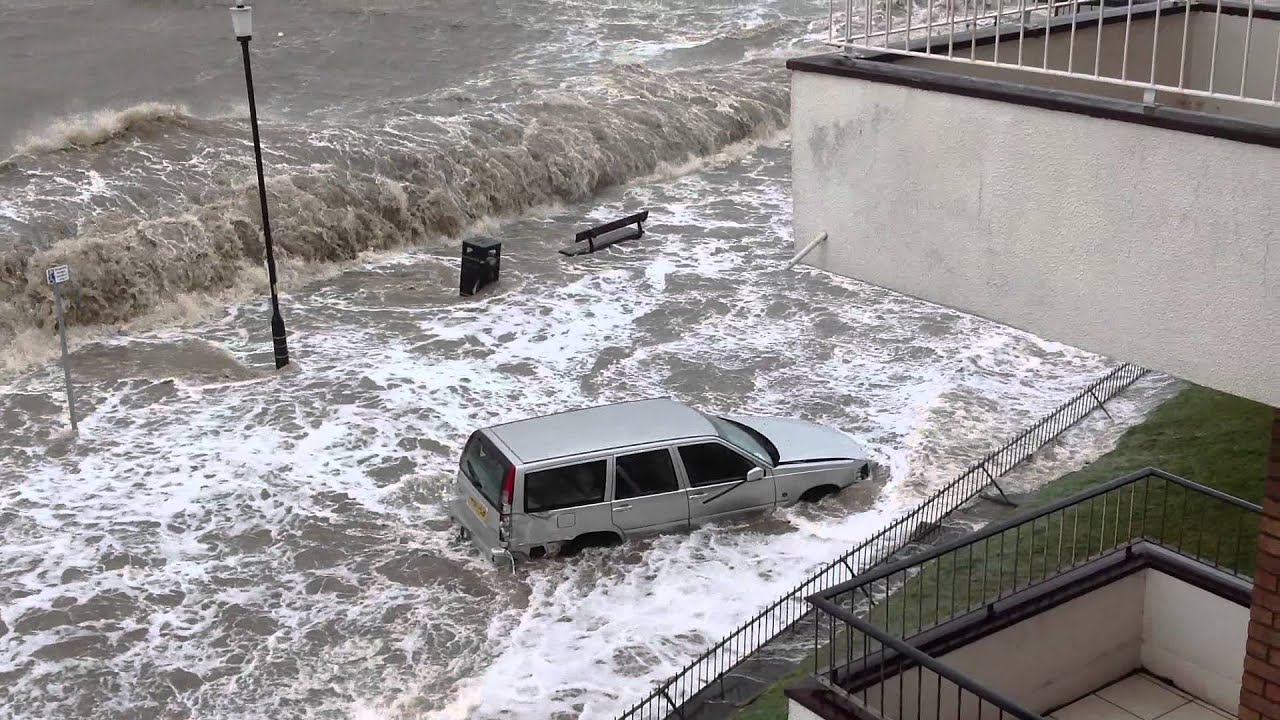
x=1063, y=612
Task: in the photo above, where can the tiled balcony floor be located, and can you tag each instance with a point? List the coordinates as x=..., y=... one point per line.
x=1139, y=697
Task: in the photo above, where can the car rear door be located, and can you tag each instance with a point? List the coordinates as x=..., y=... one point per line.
x=648, y=496
x=562, y=501
x=476, y=504
x=717, y=475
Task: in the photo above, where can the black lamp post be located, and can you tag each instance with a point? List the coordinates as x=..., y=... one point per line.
x=242, y=23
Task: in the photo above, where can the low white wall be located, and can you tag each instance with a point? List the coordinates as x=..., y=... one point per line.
x=1064, y=653
x=1147, y=245
x=1194, y=638
x=1043, y=662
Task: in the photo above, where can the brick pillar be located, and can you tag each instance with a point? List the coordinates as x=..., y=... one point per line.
x=1260, y=685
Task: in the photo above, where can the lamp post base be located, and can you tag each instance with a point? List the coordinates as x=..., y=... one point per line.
x=279, y=344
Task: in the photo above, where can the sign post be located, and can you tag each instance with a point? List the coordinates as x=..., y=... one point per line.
x=56, y=276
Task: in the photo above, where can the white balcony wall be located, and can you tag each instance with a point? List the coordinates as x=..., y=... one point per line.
x=1041, y=663
x=1145, y=244
x=1148, y=620
x=1194, y=638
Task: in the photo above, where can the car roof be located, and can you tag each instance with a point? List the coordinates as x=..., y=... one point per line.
x=603, y=427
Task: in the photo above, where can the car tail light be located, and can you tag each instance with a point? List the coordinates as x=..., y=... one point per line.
x=508, y=496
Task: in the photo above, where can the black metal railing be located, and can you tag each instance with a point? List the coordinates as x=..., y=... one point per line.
x=873, y=618
x=704, y=680
x=920, y=592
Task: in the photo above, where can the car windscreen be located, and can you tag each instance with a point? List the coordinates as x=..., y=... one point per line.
x=746, y=439
x=485, y=467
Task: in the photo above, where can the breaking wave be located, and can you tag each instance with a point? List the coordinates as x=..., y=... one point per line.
x=382, y=192
x=86, y=130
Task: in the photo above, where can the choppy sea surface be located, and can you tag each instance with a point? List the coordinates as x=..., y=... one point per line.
x=222, y=541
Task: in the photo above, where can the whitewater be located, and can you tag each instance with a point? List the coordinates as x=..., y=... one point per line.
x=222, y=541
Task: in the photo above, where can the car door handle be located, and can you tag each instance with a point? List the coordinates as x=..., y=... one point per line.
x=621, y=508
x=693, y=495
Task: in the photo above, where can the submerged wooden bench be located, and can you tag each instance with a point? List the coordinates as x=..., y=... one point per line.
x=602, y=236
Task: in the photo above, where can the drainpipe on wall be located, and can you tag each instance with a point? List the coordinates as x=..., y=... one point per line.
x=805, y=251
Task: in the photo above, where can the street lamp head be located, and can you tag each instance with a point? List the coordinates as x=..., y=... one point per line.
x=242, y=20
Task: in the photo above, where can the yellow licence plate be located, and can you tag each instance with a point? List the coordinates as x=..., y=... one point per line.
x=478, y=509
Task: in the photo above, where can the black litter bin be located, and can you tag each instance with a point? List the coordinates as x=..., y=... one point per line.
x=481, y=262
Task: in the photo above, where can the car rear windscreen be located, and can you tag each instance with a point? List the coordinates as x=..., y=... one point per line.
x=485, y=467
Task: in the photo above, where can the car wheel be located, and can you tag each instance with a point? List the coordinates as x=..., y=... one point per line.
x=582, y=542
x=815, y=494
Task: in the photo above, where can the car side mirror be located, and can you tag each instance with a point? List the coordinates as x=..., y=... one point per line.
x=755, y=474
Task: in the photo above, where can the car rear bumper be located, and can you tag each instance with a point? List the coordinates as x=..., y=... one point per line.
x=473, y=530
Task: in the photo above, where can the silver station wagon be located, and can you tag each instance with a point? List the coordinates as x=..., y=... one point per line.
x=554, y=484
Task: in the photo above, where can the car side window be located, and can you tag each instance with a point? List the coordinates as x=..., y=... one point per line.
x=644, y=473
x=713, y=463
x=564, y=487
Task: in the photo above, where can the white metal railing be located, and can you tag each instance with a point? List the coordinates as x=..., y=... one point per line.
x=1221, y=49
